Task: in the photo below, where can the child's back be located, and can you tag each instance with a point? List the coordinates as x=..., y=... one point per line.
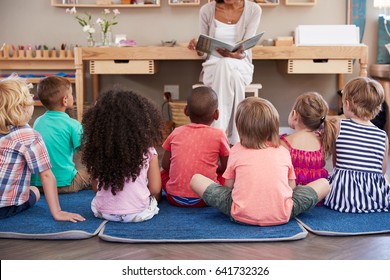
x=120, y=133
x=312, y=141
x=358, y=183
x=194, y=148
x=62, y=135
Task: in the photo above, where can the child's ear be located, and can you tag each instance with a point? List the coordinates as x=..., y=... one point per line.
x=186, y=111
x=64, y=101
x=216, y=114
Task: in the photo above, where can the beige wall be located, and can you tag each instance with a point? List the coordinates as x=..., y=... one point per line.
x=36, y=22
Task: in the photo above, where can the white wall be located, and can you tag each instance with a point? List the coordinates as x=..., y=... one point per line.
x=37, y=22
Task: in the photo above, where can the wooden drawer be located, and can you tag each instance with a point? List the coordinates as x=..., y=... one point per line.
x=320, y=66
x=123, y=67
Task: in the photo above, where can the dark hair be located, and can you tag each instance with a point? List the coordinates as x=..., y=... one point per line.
x=51, y=89
x=219, y=1
x=118, y=132
x=202, y=103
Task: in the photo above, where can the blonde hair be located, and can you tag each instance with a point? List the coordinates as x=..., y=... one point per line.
x=14, y=99
x=313, y=111
x=257, y=123
x=365, y=97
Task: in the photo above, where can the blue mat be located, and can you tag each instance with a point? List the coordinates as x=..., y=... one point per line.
x=37, y=222
x=325, y=221
x=185, y=225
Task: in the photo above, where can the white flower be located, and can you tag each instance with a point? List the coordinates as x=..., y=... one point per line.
x=86, y=28
x=99, y=21
x=106, y=11
x=116, y=12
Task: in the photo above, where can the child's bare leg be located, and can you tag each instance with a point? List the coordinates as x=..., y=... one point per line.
x=199, y=184
x=321, y=187
x=36, y=192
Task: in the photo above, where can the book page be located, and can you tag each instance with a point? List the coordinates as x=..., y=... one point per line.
x=207, y=44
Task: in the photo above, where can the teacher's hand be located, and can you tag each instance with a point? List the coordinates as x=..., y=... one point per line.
x=192, y=46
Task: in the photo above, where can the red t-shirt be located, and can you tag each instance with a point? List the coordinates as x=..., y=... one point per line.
x=195, y=149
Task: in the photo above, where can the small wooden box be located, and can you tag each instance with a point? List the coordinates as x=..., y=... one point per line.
x=320, y=66
x=123, y=67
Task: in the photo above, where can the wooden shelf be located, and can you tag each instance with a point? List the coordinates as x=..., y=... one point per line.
x=58, y=3
x=300, y=2
x=264, y=3
x=184, y=3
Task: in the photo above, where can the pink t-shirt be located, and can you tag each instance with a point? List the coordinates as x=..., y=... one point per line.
x=261, y=193
x=195, y=148
x=134, y=197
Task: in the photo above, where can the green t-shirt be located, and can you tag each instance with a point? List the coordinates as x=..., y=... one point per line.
x=62, y=136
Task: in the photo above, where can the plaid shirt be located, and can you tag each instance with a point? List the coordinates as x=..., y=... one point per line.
x=22, y=152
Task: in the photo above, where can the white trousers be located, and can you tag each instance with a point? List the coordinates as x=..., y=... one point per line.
x=228, y=78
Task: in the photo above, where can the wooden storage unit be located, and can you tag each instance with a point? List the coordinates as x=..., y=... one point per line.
x=122, y=67
x=90, y=4
x=265, y=3
x=183, y=3
x=320, y=66
x=32, y=60
x=300, y=2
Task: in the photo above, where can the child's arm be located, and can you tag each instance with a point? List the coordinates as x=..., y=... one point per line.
x=154, y=178
x=166, y=160
x=94, y=185
x=385, y=158
x=50, y=188
x=229, y=183
x=222, y=164
x=292, y=184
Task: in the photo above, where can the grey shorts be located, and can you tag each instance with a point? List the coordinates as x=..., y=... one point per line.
x=304, y=198
x=220, y=197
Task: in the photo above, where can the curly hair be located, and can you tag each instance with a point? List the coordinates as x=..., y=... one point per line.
x=118, y=131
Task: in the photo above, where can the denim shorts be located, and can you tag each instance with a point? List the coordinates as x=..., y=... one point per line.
x=12, y=210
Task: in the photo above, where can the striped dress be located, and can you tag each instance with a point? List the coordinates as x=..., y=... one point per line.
x=357, y=184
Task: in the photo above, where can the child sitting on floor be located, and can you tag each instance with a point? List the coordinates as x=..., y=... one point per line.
x=259, y=179
x=22, y=152
x=358, y=182
x=194, y=148
x=61, y=134
x=313, y=139
x=120, y=133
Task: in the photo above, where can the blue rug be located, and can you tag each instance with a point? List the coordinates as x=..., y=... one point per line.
x=185, y=225
x=325, y=221
x=37, y=222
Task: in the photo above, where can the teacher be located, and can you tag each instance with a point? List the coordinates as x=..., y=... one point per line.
x=228, y=72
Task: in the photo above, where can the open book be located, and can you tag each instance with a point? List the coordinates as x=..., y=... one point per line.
x=207, y=44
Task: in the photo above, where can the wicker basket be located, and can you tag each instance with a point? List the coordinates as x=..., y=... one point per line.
x=177, y=112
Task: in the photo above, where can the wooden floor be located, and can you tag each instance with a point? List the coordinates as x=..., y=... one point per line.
x=369, y=247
